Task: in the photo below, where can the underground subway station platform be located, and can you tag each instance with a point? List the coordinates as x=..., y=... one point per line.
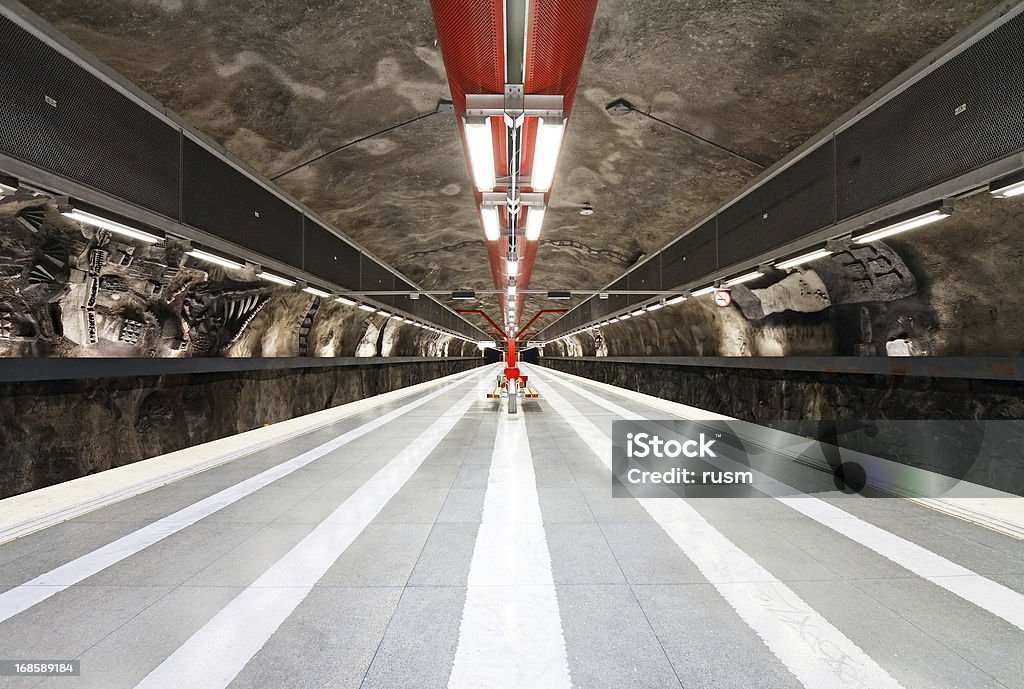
x=511, y=344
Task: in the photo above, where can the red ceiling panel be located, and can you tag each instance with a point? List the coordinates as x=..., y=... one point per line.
x=556, y=43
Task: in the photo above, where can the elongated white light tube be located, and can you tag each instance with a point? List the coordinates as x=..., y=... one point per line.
x=367, y=307
x=638, y=312
x=625, y=317
x=214, y=259
x=1006, y=192
x=655, y=306
x=704, y=290
x=97, y=221
x=676, y=300
x=5, y=189
x=316, y=292
x=806, y=258
x=747, y=277
x=382, y=312
x=270, y=277
x=512, y=290
x=512, y=267
x=492, y=226
x=534, y=221
x=345, y=301
x=481, y=153
x=883, y=232
x=545, y=154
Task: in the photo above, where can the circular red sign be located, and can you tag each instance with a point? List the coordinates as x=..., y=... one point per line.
x=723, y=297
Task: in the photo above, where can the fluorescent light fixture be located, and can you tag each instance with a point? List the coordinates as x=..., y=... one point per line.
x=1002, y=190
x=492, y=225
x=806, y=258
x=534, y=221
x=481, y=153
x=638, y=312
x=382, y=312
x=407, y=320
x=464, y=295
x=656, y=305
x=6, y=189
x=559, y=296
x=316, y=292
x=545, y=154
x=512, y=267
x=214, y=259
x=395, y=317
x=512, y=290
x=904, y=225
x=345, y=300
x=746, y=277
x=270, y=277
x=625, y=317
x=367, y=307
x=678, y=299
x=97, y=221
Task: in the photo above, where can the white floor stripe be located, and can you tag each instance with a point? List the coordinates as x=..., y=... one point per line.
x=818, y=654
x=214, y=655
x=23, y=597
x=511, y=632
x=989, y=595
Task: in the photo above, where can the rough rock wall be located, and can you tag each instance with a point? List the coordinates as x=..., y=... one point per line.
x=70, y=290
x=55, y=431
x=946, y=289
x=760, y=395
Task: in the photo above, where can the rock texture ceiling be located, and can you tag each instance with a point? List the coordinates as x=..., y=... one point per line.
x=278, y=82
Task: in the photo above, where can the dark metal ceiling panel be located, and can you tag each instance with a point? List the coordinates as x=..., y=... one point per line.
x=645, y=276
x=327, y=255
x=373, y=277
x=782, y=209
x=691, y=256
x=219, y=200
x=57, y=116
x=967, y=112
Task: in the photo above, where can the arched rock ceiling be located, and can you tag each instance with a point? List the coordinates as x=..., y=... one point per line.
x=277, y=81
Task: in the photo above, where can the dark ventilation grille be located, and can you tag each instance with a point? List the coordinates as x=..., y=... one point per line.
x=330, y=257
x=690, y=257
x=220, y=200
x=618, y=301
x=60, y=118
x=645, y=276
x=373, y=276
x=781, y=210
x=968, y=112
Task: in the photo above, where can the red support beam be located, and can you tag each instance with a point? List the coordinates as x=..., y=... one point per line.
x=494, y=325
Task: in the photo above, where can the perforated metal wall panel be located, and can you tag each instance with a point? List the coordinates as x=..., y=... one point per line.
x=218, y=199
x=690, y=257
x=373, y=276
x=784, y=208
x=618, y=301
x=60, y=118
x=645, y=276
x=968, y=112
x=328, y=256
